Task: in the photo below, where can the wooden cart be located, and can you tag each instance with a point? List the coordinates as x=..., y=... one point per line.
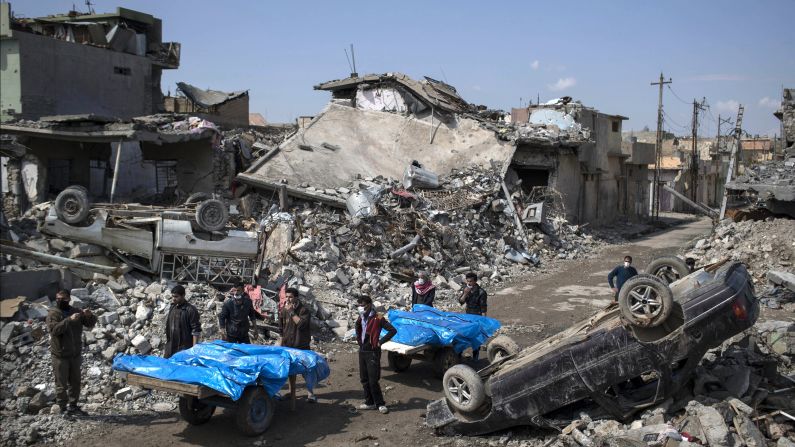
x=197, y=403
x=400, y=356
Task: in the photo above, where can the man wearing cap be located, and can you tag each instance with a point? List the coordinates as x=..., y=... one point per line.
x=368, y=335
x=235, y=316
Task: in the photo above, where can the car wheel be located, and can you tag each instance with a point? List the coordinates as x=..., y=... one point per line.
x=645, y=301
x=212, y=215
x=197, y=197
x=71, y=205
x=254, y=411
x=463, y=388
x=398, y=362
x=501, y=346
x=443, y=360
x=668, y=268
x=194, y=411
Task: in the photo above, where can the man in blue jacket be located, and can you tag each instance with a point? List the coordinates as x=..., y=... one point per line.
x=621, y=274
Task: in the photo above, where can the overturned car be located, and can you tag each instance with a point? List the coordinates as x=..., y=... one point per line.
x=621, y=360
x=188, y=243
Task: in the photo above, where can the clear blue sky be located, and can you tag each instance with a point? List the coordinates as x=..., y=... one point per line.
x=603, y=53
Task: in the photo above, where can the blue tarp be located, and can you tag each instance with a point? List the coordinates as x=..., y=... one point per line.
x=428, y=325
x=230, y=367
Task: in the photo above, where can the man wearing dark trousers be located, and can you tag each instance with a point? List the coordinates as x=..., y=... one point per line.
x=294, y=322
x=65, y=324
x=621, y=274
x=368, y=335
x=235, y=315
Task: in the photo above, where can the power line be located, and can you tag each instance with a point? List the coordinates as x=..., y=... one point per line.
x=677, y=96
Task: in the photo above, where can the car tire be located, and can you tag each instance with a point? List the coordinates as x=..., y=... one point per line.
x=197, y=197
x=463, y=388
x=444, y=359
x=254, y=411
x=212, y=215
x=194, y=411
x=668, y=268
x=398, y=362
x=72, y=205
x=645, y=300
x=501, y=346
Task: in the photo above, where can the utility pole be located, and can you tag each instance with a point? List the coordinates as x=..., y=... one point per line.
x=695, y=157
x=658, y=149
x=738, y=134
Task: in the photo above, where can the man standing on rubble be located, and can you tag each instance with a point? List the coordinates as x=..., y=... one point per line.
x=368, y=335
x=65, y=324
x=423, y=291
x=473, y=296
x=621, y=274
x=183, y=326
x=235, y=315
x=294, y=322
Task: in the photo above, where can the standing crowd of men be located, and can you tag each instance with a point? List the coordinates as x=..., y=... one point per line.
x=235, y=320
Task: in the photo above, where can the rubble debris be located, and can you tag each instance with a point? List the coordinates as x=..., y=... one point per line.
x=763, y=245
x=768, y=185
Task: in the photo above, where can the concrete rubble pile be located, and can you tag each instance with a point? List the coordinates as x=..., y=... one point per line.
x=131, y=320
x=764, y=245
x=390, y=233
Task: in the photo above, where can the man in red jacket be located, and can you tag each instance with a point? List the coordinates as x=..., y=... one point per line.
x=368, y=335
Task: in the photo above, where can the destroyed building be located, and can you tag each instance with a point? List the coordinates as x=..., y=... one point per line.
x=228, y=110
x=151, y=158
x=598, y=180
x=106, y=64
x=786, y=113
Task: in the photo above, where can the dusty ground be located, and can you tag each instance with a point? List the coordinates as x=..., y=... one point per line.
x=545, y=301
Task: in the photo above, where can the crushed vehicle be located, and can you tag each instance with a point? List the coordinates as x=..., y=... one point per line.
x=186, y=243
x=621, y=360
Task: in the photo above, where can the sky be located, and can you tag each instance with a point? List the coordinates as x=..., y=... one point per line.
x=602, y=53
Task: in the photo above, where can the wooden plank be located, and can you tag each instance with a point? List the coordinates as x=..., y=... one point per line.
x=170, y=386
x=400, y=348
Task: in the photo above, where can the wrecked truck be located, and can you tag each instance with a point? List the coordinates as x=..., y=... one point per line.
x=166, y=241
x=623, y=359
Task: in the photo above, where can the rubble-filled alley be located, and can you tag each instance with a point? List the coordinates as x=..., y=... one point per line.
x=587, y=285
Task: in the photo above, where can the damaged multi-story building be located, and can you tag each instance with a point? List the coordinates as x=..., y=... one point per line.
x=227, y=109
x=380, y=124
x=74, y=63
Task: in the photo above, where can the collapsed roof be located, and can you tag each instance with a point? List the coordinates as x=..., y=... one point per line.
x=432, y=93
x=208, y=98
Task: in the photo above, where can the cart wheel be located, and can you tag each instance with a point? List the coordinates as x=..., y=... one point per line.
x=194, y=411
x=254, y=411
x=501, y=346
x=71, y=205
x=645, y=301
x=212, y=215
x=668, y=268
x=443, y=360
x=463, y=388
x=398, y=362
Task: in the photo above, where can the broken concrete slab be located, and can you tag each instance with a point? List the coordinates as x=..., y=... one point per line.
x=781, y=278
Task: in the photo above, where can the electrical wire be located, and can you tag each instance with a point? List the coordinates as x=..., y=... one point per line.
x=677, y=96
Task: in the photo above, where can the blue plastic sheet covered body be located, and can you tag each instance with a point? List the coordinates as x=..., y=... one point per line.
x=428, y=325
x=230, y=367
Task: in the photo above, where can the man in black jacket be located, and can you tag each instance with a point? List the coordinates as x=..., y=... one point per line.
x=621, y=274
x=294, y=321
x=473, y=296
x=183, y=326
x=65, y=324
x=235, y=315
x=368, y=335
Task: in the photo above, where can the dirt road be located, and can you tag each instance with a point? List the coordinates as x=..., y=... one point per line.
x=575, y=289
